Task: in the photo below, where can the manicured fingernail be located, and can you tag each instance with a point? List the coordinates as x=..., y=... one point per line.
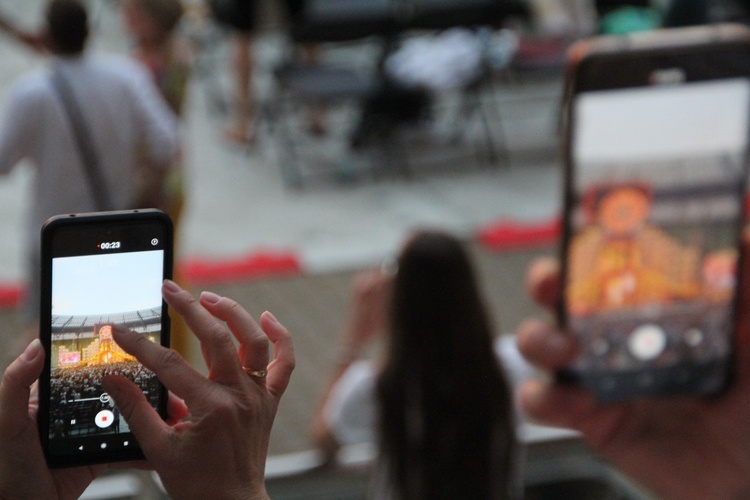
x=210, y=297
x=171, y=286
x=33, y=350
x=271, y=317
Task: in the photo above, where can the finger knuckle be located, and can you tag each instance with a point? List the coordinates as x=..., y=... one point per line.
x=169, y=357
x=233, y=306
x=219, y=337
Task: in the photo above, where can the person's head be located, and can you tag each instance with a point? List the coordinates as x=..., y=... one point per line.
x=66, y=26
x=151, y=21
x=437, y=309
x=446, y=414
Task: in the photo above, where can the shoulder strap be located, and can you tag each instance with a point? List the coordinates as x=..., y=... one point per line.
x=82, y=135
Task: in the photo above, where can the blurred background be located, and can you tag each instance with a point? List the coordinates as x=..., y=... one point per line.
x=337, y=164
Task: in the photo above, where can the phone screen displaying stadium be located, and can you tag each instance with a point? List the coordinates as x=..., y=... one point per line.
x=99, y=279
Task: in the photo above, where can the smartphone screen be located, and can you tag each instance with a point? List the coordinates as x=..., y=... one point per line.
x=100, y=271
x=655, y=205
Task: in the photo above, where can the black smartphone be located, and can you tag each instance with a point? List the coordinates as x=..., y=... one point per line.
x=655, y=129
x=98, y=270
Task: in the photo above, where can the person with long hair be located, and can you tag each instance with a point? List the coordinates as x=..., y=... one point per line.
x=439, y=407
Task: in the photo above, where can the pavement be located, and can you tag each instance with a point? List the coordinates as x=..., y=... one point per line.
x=248, y=233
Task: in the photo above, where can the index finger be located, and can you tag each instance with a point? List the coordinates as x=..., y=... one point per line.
x=173, y=371
x=215, y=338
x=544, y=346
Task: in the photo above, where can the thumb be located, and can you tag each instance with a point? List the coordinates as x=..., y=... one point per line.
x=15, y=388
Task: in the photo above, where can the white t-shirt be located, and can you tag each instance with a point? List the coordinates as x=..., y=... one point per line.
x=351, y=408
x=121, y=107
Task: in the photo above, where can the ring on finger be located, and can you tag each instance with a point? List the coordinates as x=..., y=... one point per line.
x=255, y=373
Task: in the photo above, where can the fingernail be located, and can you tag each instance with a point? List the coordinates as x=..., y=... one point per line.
x=171, y=286
x=33, y=350
x=210, y=297
x=271, y=317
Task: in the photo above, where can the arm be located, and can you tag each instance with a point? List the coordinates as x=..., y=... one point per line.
x=31, y=40
x=18, y=125
x=686, y=447
x=365, y=322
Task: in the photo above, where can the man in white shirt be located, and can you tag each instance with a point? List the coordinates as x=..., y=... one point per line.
x=121, y=108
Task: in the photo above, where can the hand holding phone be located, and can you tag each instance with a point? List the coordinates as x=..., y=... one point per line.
x=191, y=462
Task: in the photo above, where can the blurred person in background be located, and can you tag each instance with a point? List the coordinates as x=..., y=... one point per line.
x=241, y=18
x=308, y=54
x=89, y=166
x=152, y=27
x=439, y=406
x=215, y=442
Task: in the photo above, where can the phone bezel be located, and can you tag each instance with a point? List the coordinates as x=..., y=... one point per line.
x=98, y=221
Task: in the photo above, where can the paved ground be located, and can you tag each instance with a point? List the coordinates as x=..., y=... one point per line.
x=343, y=219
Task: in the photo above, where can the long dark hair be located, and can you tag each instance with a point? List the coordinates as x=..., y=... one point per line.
x=446, y=422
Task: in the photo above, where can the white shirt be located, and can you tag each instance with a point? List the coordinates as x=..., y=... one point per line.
x=351, y=407
x=121, y=107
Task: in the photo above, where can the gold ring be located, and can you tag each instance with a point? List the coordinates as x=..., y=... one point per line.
x=255, y=373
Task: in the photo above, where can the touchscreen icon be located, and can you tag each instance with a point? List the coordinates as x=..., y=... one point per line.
x=647, y=342
x=104, y=419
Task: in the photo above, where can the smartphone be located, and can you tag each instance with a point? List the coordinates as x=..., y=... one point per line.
x=655, y=129
x=98, y=270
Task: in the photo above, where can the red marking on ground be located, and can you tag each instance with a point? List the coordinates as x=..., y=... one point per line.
x=513, y=235
x=261, y=264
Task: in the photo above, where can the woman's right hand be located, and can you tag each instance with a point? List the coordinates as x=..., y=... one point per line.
x=219, y=450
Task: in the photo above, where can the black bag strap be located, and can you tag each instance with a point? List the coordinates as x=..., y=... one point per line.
x=82, y=135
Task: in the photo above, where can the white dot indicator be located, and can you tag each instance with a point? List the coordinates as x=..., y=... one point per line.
x=647, y=342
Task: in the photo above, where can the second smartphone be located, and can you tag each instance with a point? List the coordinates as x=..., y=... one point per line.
x=98, y=270
x=656, y=165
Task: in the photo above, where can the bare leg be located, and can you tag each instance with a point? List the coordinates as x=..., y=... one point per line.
x=241, y=130
x=316, y=120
